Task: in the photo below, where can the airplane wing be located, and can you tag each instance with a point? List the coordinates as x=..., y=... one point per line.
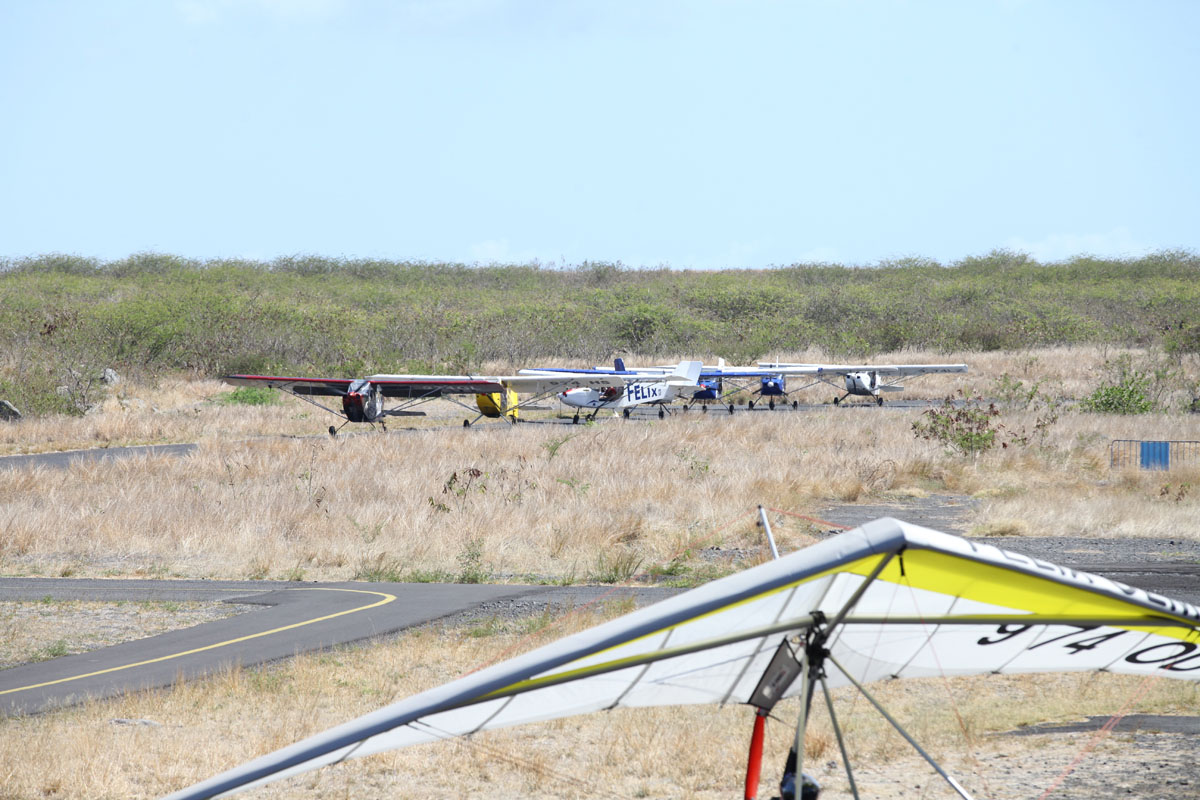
x=843, y=369
x=886, y=600
x=686, y=373
x=331, y=387
x=545, y=382
x=650, y=373
x=389, y=385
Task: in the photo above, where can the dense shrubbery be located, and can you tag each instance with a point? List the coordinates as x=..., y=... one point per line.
x=62, y=318
x=1128, y=390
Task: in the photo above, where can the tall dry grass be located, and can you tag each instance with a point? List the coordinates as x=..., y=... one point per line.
x=564, y=503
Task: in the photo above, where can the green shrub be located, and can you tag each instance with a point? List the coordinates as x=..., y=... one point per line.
x=962, y=424
x=1127, y=397
x=1129, y=390
x=248, y=396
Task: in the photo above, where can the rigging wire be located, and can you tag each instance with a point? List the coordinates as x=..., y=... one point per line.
x=1107, y=728
x=500, y=755
x=962, y=724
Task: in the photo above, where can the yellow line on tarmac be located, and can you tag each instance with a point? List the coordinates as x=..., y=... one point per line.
x=387, y=598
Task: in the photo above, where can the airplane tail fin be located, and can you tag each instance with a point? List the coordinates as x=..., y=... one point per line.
x=687, y=373
x=619, y=364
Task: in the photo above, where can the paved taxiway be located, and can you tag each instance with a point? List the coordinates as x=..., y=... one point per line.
x=294, y=618
x=303, y=617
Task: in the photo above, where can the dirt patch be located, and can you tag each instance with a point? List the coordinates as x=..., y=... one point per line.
x=949, y=513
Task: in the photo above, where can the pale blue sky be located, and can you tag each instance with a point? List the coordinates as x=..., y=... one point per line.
x=692, y=134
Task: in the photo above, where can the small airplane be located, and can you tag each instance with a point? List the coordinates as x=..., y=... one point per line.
x=638, y=389
x=365, y=399
x=863, y=380
x=885, y=601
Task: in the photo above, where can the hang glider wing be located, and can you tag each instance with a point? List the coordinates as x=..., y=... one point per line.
x=887, y=600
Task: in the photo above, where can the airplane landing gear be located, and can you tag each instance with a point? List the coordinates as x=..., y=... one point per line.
x=704, y=408
x=795, y=404
x=332, y=431
x=661, y=413
x=878, y=401
x=626, y=413
x=731, y=408
x=750, y=405
x=575, y=419
x=771, y=405
x=466, y=423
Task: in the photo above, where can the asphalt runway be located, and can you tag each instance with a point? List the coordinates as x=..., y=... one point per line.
x=64, y=458
x=294, y=618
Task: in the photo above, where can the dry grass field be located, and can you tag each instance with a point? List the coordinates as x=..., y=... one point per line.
x=266, y=495
x=546, y=502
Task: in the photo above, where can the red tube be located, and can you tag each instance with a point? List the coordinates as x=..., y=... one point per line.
x=754, y=765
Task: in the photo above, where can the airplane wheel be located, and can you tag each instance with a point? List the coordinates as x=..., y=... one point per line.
x=626, y=413
x=771, y=405
x=750, y=404
x=575, y=420
x=332, y=431
x=704, y=408
x=837, y=401
x=466, y=423
x=731, y=408
x=878, y=401
x=795, y=404
x=661, y=413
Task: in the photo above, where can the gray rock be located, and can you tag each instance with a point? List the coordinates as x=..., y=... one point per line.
x=110, y=376
x=8, y=412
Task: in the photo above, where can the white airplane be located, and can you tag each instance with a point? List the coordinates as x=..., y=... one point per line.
x=638, y=389
x=365, y=399
x=865, y=380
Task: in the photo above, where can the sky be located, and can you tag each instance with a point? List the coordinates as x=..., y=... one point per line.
x=699, y=135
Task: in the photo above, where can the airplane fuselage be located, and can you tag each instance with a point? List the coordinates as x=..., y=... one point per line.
x=865, y=384
x=633, y=394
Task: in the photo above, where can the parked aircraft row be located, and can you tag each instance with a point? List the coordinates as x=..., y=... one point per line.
x=590, y=391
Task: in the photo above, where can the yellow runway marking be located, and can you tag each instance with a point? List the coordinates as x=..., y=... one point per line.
x=387, y=598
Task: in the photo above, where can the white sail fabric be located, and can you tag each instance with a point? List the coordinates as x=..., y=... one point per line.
x=887, y=600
